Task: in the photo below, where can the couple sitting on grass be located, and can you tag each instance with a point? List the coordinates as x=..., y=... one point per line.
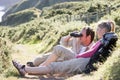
x=64, y=60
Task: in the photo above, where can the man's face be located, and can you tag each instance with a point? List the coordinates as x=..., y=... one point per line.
x=83, y=38
x=100, y=32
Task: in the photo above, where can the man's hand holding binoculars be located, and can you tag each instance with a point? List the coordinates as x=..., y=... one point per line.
x=76, y=34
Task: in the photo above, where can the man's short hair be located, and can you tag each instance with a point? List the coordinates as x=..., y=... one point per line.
x=89, y=31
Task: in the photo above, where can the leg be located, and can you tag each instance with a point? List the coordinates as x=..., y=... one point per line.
x=59, y=52
x=69, y=66
x=41, y=70
x=40, y=59
x=51, y=58
x=22, y=69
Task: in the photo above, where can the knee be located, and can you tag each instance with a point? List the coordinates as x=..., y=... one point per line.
x=36, y=61
x=58, y=48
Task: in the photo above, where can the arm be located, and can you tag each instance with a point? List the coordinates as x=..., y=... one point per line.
x=66, y=40
x=90, y=52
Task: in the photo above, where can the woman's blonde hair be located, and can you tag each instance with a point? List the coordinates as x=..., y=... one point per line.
x=112, y=25
x=109, y=25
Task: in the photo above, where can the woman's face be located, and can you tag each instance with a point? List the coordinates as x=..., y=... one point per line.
x=100, y=32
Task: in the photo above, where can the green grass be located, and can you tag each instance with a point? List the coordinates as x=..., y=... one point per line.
x=5, y=56
x=110, y=70
x=43, y=33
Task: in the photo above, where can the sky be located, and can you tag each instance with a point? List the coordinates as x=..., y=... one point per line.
x=4, y=4
x=1, y=12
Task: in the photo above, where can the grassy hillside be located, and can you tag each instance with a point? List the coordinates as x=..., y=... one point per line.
x=39, y=31
x=86, y=10
x=25, y=4
x=110, y=70
x=21, y=17
x=70, y=10
x=45, y=28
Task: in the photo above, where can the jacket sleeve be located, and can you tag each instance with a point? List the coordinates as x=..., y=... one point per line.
x=90, y=52
x=66, y=41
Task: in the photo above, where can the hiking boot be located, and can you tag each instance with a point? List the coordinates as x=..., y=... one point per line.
x=19, y=67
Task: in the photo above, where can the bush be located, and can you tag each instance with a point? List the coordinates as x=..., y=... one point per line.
x=5, y=57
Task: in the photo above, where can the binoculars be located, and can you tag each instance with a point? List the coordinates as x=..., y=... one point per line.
x=76, y=34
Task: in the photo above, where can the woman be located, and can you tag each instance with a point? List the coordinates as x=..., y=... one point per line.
x=77, y=64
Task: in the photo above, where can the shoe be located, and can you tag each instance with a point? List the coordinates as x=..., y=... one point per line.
x=30, y=64
x=19, y=67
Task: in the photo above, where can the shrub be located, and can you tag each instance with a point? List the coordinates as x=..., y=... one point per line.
x=5, y=57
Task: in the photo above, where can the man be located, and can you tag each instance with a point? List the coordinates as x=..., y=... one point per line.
x=79, y=42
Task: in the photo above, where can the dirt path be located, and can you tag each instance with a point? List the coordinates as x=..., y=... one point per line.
x=24, y=53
